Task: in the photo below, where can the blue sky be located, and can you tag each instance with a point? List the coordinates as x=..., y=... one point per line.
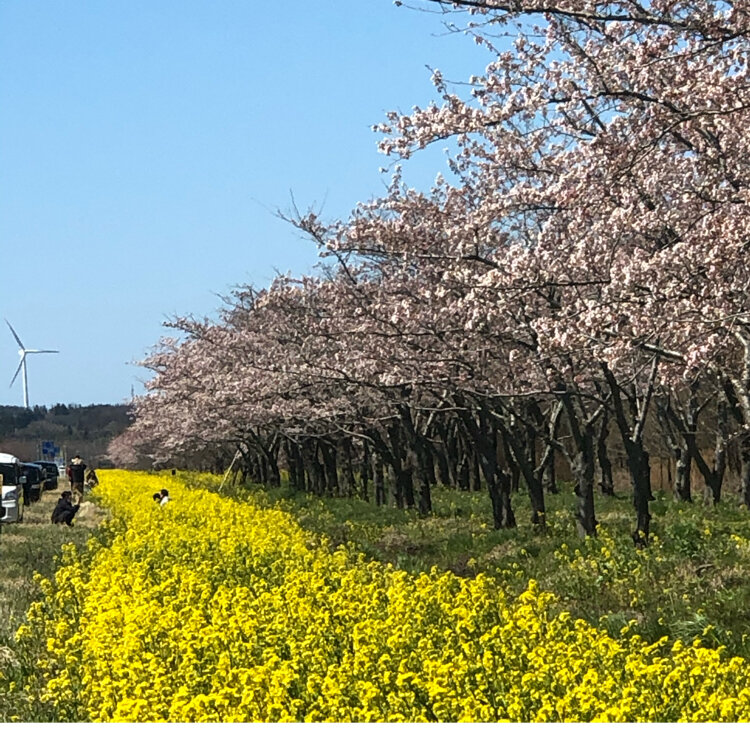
x=146, y=144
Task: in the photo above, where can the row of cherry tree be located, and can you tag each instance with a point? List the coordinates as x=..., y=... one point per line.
x=582, y=268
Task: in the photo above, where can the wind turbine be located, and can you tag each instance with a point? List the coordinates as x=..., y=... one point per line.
x=22, y=352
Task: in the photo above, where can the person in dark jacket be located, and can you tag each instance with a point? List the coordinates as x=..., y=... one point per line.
x=91, y=479
x=77, y=472
x=65, y=511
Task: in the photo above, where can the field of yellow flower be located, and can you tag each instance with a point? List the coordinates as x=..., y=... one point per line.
x=208, y=609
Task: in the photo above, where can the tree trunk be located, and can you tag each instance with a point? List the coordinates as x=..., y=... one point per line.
x=330, y=467
x=274, y=475
x=682, y=485
x=348, y=482
x=315, y=472
x=679, y=426
x=550, y=474
x=258, y=477
x=607, y=484
x=583, y=469
x=513, y=470
x=484, y=436
x=291, y=463
x=640, y=474
x=400, y=478
x=394, y=487
x=463, y=473
x=745, y=470
x=524, y=456
x=364, y=472
x=582, y=461
x=717, y=475
x=502, y=507
x=453, y=457
x=422, y=474
x=419, y=461
x=442, y=464
x=378, y=479
x=636, y=455
x=713, y=477
x=299, y=461
x=423, y=483
x=271, y=453
x=406, y=478
x=430, y=463
x=476, y=480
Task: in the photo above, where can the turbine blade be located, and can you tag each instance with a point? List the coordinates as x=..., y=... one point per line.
x=42, y=351
x=20, y=365
x=15, y=335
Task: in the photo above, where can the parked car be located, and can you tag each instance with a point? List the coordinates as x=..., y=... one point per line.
x=11, y=505
x=35, y=477
x=52, y=473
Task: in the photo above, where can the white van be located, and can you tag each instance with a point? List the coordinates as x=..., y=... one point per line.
x=11, y=506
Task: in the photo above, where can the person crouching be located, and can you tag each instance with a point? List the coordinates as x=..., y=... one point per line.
x=65, y=511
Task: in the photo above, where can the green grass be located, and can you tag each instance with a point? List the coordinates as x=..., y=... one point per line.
x=693, y=581
x=25, y=548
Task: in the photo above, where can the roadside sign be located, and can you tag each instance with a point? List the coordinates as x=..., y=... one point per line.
x=49, y=449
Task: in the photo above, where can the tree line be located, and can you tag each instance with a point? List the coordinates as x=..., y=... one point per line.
x=79, y=429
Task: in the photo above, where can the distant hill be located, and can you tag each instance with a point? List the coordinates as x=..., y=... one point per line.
x=85, y=430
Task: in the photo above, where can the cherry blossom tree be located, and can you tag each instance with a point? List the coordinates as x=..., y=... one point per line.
x=584, y=257
x=609, y=142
